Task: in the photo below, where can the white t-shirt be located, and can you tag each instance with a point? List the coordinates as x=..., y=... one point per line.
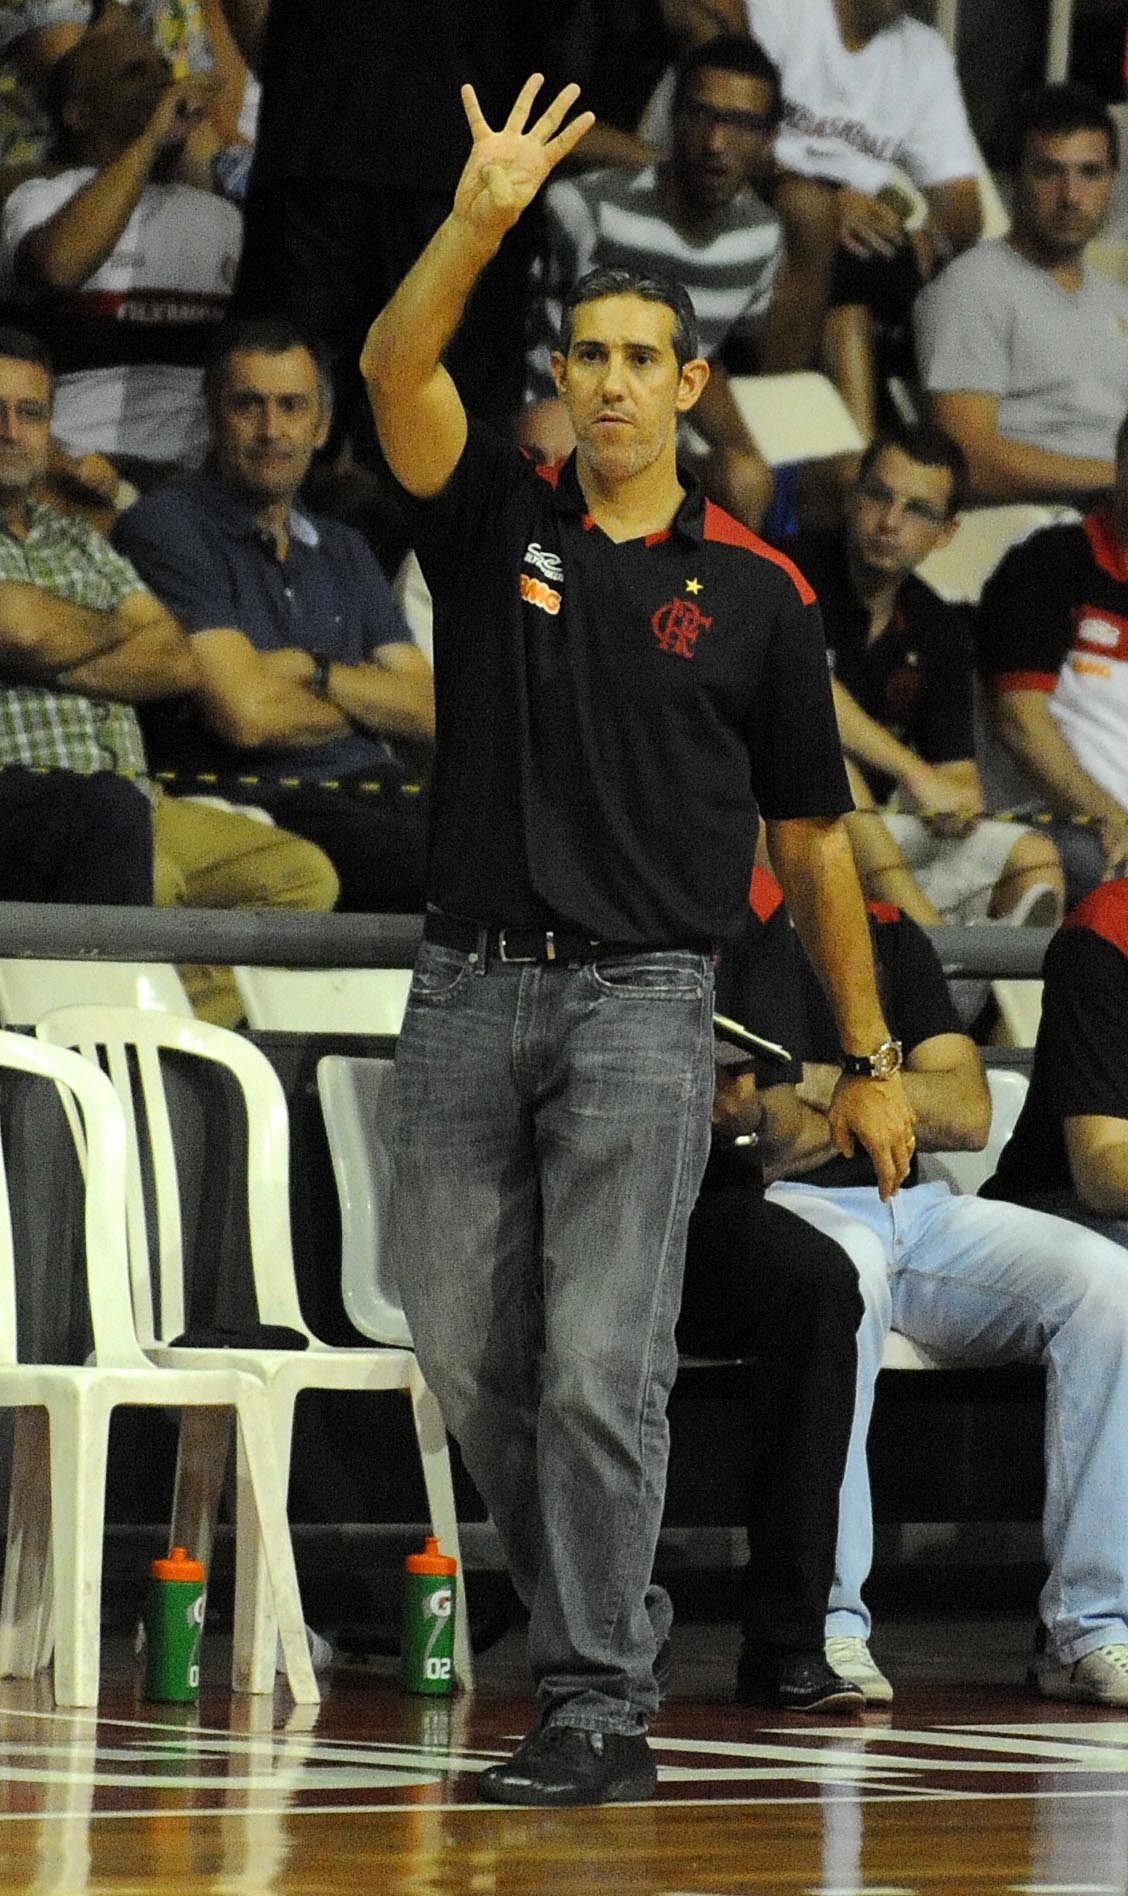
x=854, y=117
x=1057, y=359
x=130, y=342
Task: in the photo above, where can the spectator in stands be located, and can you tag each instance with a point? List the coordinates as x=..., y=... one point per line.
x=866, y=89
x=34, y=35
x=695, y=217
x=81, y=642
x=1069, y=1151
x=972, y=1282
x=1052, y=646
x=306, y=669
x=1023, y=348
x=903, y=670
x=125, y=272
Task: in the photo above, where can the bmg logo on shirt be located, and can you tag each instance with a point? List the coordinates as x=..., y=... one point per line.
x=547, y=598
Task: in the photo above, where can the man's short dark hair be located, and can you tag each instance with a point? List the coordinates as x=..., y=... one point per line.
x=730, y=52
x=1055, y=111
x=928, y=446
x=607, y=280
x=264, y=335
x=19, y=345
x=1122, y=439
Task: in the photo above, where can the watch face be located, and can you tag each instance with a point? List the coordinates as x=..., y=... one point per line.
x=886, y=1060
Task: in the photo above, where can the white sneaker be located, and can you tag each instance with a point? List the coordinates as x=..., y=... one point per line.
x=853, y=1660
x=1100, y=1677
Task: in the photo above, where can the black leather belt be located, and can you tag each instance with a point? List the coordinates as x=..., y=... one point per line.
x=535, y=944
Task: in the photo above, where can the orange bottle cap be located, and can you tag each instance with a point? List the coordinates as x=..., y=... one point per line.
x=430, y=1560
x=177, y=1565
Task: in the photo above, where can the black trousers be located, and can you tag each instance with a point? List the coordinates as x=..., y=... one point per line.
x=376, y=840
x=760, y=1282
x=65, y=837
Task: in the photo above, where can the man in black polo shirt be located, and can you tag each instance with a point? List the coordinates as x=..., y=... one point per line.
x=903, y=669
x=622, y=675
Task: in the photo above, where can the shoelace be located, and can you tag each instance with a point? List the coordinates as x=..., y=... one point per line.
x=1114, y=1656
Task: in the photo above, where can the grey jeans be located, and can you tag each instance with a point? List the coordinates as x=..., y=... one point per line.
x=551, y=1129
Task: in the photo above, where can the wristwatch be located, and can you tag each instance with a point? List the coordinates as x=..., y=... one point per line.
x=319, y=677
x=877, y=1065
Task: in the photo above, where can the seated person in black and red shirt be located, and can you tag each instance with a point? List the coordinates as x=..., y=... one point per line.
x=903, y=667
x=1069, y=1151
x=1052, y=636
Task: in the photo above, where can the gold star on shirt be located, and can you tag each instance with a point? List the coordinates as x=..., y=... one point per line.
x=693, y=585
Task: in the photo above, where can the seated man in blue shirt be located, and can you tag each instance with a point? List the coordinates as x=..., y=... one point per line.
x=309, y=674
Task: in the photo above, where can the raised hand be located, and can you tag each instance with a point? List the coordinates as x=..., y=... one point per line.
x=506, y=169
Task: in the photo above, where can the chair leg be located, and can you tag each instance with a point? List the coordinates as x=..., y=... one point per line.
x=268, y=1605
x=79, y=1423
x=26, y=1600
x=201, y=1462
x=434, y=1453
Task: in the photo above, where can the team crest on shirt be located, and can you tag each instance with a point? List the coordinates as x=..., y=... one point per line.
x=544, y=593
x=676, y=626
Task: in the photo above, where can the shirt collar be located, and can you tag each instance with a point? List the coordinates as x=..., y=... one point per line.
x=689, y=521
x=221, y=501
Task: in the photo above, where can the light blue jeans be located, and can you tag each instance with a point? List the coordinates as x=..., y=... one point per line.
x=979, y=1282
x=550, y=1133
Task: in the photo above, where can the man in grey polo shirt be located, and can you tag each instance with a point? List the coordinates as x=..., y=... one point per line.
x=1022, y=347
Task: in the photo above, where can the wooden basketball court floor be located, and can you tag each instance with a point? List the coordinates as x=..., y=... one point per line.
x=966, y=1784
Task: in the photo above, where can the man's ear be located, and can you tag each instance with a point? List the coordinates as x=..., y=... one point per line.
x=691, y=382
x=559, y=370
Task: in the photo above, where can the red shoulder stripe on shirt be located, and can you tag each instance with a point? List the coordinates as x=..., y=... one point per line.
x=1103, y=543
x=764, y=894
x=721, y=526
x=1104, y=911
x=1024, y=681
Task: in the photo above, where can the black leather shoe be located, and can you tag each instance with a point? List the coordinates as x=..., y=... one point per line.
x=557, y=1764
x=801, y=1683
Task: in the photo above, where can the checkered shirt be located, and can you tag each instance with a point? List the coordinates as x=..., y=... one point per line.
x=58, y=729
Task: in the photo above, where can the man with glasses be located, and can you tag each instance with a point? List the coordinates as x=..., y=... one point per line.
x=903, y=666
x=695, y=217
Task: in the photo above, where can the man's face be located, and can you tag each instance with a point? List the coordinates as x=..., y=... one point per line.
x=621, y=383
x=1062, y=190
x=269, y=420
x=120, y=80
x=723, y=133
x=898, y=514
x=25, y=425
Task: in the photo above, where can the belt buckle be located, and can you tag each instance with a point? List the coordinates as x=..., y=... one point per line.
x=517, y=960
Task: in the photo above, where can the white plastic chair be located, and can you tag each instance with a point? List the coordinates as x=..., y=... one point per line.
x=967, y=1171
x=53, y=1566
x=128, y=1041
x=324, y=1000
x=356, y=1099
x=29, y=989
x=796, y=417
x=960, y=570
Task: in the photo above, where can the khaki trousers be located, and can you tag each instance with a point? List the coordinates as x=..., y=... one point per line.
x=215, y=856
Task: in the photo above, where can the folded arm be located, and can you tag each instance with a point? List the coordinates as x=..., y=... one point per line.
x=135, y=650
x=1003, y=470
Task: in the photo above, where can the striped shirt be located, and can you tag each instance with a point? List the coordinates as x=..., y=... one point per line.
x=618, y=217
x=58, y=729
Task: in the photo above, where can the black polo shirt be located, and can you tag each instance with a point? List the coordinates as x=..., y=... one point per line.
x=1037, y=599
x=611, y=716
x=766, y=981
x=917, y=678
x=1081, y=1054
